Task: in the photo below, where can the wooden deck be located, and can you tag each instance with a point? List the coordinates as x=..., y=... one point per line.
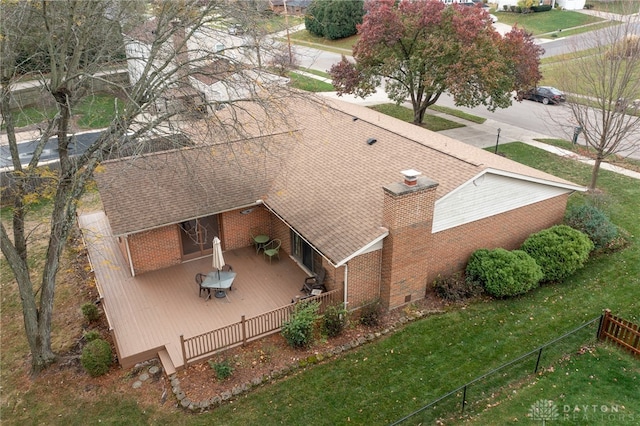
x=149, y=312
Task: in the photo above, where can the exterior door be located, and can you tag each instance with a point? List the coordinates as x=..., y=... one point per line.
x=197, y=235
x=302, y=251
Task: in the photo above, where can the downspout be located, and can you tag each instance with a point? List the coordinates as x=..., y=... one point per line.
x=126, y=244
x=346, y=286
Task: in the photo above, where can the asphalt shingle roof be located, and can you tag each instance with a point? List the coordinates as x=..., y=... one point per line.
x=318, y=173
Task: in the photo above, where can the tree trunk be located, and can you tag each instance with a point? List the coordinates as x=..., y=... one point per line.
x=594, y=173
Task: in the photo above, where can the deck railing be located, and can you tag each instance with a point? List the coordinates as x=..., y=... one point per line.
x=247, y=329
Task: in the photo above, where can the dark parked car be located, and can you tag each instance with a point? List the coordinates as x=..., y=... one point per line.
x=545, y=94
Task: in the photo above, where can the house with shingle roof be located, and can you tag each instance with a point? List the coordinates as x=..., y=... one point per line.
x=197, y=69
x=382, y=205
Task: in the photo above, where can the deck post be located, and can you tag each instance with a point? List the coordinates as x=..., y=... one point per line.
x=243, y=323
x=184, y=350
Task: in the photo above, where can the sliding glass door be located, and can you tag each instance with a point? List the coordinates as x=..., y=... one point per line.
x=197, y=235
x=302, y=251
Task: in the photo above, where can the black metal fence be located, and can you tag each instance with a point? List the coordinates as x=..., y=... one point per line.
x=474, y=395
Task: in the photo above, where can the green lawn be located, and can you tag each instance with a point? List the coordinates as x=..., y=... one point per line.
x=601, y=376
x=94, y=112
x=430, y=122
x=627, y=163
x=458, y=113
x=343, y=45
x=546, y=22
x=309, y=84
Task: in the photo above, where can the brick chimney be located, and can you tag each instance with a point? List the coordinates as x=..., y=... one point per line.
x=408, y=214
x=181, y=51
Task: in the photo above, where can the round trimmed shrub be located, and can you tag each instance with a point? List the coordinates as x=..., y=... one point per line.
x=593, y=222
x=474, y=271
x=504, y=273
x=96, y=357
x=90, y=312
x=559, y=250
x=298, y=331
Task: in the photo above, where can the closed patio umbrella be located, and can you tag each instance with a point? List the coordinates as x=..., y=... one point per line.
x=218, y=259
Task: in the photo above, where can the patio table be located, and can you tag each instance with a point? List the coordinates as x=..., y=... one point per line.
x=260, y=241
x=219, y=281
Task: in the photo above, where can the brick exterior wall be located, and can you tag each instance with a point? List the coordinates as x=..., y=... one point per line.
x=235, y=227
x=364, y=280
x=280, y=230
x=449, y=250
x=161, y=248
x=155, y=249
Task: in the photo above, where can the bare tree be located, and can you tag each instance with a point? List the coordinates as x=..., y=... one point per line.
x=174, y=56
x=605, y=84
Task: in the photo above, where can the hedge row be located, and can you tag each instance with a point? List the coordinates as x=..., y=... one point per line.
x=549, y=255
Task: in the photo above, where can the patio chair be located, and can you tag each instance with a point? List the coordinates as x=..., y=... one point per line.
x=228, y=268
x=316, y=282
x=199, y=279
x=272, y=248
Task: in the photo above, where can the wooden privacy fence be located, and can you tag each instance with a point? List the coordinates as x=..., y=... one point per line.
x=621, y=332
x=247, y=329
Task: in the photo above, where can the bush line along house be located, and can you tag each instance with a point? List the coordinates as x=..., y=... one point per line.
x=384, y=206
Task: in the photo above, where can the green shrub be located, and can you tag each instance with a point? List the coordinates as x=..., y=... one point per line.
x=474, y=271
x=90, y=312
x=455, y=287
x=504, y=273
x=96, y=357
x=298, y=331
x=593, y=222
x=91, y=335
x=334, y=19
x=370, y=314
x=541, y=8
x=223, y=369
x=559, y=250
x=334, y=320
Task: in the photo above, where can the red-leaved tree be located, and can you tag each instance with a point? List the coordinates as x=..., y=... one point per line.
x=423, y=49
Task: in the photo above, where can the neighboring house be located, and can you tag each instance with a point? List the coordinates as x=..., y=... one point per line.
x=383, y=205
x=293, y=7
x=509, y=3
x=221, y=67
x=571, y=4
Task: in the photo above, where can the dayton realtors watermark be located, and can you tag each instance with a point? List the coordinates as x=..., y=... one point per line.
x=545, y=410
